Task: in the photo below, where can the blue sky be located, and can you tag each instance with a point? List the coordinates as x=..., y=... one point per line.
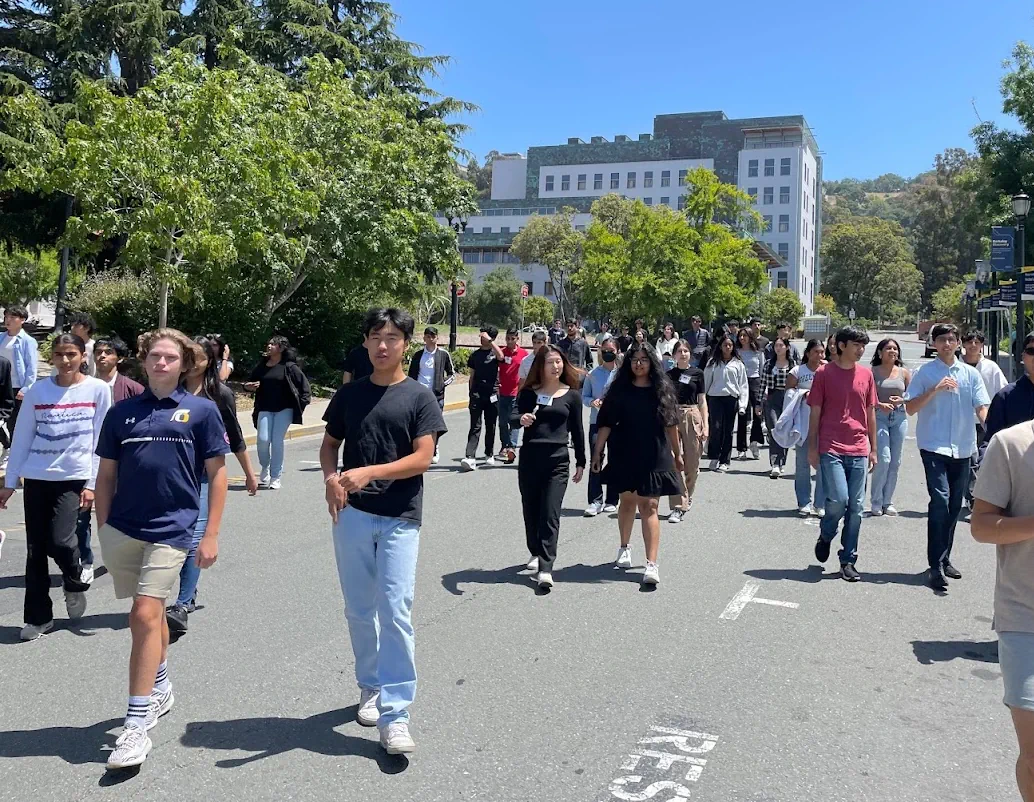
x=884, y=85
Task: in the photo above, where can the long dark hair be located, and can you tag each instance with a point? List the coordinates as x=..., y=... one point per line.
x=667, y=404
x=210, y=378
x=716, y=349
x=790, y=361
x=287, y=353
x=877, y=358
x=813, y=343
x=752, y=340
x=569, y=375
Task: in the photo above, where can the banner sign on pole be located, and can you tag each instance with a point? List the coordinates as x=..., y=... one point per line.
x=1002, y=259
x=1009, y=289
x=996, y=300
x=1027, y=280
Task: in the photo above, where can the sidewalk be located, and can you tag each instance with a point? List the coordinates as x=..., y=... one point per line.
x=456, y=397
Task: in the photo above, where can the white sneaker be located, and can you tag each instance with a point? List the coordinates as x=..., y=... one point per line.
x=723, y=468
x=131, y=748
x=755, y=451
x=86, y=577
x=890, y=510
x=806, y=510
x=264, y=477
x=33, y=631
x=714, y=465
x=820, y=512
x=775, y=473
x=469, y=464
x=610, y=507
x=396, y=740
x=624, y=559
x=435, y=458
x=742, y=455
x=157, y=706
x=491, y=462
x=545, y=579
x=593, y=509
x=533, y=564
x=368, y=713
x=3, y=537
x=274, y=484
x=651, y=576
x=75, y=604
x=876, y=511
x=676, y=516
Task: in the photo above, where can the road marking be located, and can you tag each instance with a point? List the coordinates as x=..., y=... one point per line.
x=650, y=765
x=309, y=462
x=748, y=595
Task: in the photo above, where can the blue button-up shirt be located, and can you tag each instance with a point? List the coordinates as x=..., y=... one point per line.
x=945, y=424
x=24, y=357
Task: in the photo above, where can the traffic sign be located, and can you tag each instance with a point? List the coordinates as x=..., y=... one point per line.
x=461, y=288
x=851, y=314
x=524, y=291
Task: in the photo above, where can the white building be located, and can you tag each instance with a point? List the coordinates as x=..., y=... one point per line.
x=774, y=159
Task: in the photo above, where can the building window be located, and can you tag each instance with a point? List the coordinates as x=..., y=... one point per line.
x=665, y=178
x=565, y=183
x=665, y=201
x=682, y=177
x=781, y=280
x=615, y=180
x=547, y=289
x=682, y=202
x=486, y=230
x=648, y=201
x=489, y=257
x=784, y=250
x=804, y=257
x=549, y=183
x=630, y=182
x=767, y=197
x=753, y=192
x=648, y=179
x=471, y=257
x=752, y=168
x=597, y=181
x=767, y=224
x=769, y=167
x=784, y=167
x=579, y=228
x=784, y=194
x=504, y=229
x=581, y=180
x=784, y=223
x=510, y=259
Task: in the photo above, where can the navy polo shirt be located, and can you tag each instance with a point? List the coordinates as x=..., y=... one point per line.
x=161, y=445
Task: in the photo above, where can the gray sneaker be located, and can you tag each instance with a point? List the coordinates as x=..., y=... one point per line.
x=157, y=706
x=131, y=748
x=367, y=714
x=75, y=604
x=396, y=740
x=593, y=509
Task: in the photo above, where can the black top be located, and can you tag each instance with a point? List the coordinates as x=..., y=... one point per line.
x=689, y=384
x=273, y=394
x=378, y=425
x=484, y=372
x=637, y=441
x=578, y=352
x=358, y=363
x=624, y=341
x=1012, y=405
x=228, y=411
x=555, y=422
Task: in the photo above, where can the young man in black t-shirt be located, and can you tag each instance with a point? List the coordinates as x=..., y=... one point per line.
x=388, y=426
x=484, y=398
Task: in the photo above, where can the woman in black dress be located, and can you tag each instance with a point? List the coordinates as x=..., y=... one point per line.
x=639, y=421
x=550, y=409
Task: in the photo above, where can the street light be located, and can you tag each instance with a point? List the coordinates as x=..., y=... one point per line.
x=1020, y=209
x=457, y=223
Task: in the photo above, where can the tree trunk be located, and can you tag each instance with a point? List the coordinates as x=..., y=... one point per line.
x=163, y=309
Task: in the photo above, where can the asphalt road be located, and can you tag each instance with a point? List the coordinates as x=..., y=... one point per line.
x=878, y=691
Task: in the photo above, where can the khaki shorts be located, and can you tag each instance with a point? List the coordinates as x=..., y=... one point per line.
x=139, y=568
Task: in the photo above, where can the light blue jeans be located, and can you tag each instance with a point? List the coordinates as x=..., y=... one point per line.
x=891, y=428
x=843, y=477
x=376, y=563
x=190, y=573
x=272, y=428
x=802, y=480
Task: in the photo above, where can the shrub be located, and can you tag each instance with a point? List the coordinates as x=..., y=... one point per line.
x=120, y=303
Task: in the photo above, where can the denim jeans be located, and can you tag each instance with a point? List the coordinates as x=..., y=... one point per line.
x=190, y=573
x=595, y=480
x=506, y=438
x=843, y=477
x=802, y=480
x=891, y=428
x=272, y=428
x=376, y=564
x=946, y=480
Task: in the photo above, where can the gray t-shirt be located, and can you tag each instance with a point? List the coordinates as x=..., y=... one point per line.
x=1006, y=480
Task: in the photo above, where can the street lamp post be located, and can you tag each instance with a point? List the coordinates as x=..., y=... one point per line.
x=457, y=223
x=1020, y=208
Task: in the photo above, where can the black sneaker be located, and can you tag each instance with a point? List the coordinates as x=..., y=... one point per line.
x=848, y=573
x=951, y=571
x=935, y=579
x=821, y=550
x=176, y=615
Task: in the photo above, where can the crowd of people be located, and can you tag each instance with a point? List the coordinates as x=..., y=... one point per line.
x=150, y=462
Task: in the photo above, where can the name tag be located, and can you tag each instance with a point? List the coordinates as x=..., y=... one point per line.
x=494, y=399
x=507, y=360
x=685, y=378
x=544, y=400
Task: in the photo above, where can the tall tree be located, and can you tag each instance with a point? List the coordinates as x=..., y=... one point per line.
x=551, y=240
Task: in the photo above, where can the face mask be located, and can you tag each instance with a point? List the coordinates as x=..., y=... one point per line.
x=608, y=356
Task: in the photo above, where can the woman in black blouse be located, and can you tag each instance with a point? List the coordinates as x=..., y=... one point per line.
x=688, y=381
x=550, y=409
x=639, y=419
x=777, y=370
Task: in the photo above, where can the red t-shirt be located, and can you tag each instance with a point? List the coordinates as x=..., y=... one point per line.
x=845, y=397
x=509, y=369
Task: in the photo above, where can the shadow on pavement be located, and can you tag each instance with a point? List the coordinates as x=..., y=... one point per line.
x=75, y=745
x=516, y=575
x=271, y=736
x=84, y=627
x=786, y=513
x=816, y=573
x=929, y=652
x=18, y=580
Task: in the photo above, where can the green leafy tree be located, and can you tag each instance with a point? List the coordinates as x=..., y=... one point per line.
x=496, y=300
x=824, y=304
x=538, y=310
x=949, y=303
x=782, y=305
x=551, y=240
x=25, y=278
x=872, y=260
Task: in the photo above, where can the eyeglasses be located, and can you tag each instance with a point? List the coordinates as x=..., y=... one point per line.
x=641, y=361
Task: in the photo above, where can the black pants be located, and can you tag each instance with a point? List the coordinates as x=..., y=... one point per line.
x=51, y=513
x=481, y=405
x=721, y=415
x=596, y=479
x=773, y=409
x=5, y=439
x=975, y=461
x=757, y=435
x=542, y=478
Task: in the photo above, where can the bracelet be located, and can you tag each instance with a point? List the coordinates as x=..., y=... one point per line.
x=335, y=477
